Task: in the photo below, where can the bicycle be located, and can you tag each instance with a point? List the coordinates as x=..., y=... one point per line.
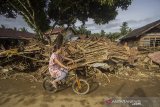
x=79, y=86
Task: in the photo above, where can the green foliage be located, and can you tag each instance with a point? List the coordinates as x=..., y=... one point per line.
x=15, y=28
x=102, y=33
x=68, y=11
x=109, y=2
x=96, y=34
x=124, y=29
x=82, y=30
x=6, y=9
x=113, y=36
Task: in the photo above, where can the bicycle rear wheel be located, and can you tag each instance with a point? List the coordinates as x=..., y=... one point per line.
x=83, y=89
x=47, y=85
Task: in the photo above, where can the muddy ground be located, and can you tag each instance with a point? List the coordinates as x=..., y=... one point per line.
x=23, y=93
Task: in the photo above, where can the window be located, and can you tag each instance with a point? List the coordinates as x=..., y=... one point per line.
x=150, y=42
x=157, y=42
x=146, y=43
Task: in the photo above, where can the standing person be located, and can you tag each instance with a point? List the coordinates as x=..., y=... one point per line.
x=56, y=68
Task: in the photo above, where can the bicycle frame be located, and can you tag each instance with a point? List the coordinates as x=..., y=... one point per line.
x=74, y=77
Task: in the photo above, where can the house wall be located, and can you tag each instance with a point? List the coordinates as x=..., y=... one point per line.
x=150, y=40
x=131, y=42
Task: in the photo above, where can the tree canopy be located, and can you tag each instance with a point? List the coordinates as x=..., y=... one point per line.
x=102, y=33
x=39, y=13
x=124, y=28
x=69, y=11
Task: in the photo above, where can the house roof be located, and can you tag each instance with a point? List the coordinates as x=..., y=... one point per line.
x=12, y=34
x=138, y=32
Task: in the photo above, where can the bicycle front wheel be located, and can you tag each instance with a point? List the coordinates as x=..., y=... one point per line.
x=81, y=87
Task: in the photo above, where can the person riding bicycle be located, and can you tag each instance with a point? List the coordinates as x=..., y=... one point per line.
x=56, y=68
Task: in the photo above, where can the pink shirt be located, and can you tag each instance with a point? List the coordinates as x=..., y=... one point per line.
x=55, y=69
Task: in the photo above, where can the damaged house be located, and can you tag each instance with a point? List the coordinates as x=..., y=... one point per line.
x=147, y=36
x=10, y=38
x=51, y=34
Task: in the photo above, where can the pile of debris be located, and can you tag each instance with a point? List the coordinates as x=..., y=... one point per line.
x=150, y=61
x=87, y=52
x=101, y=54
x=23, y=57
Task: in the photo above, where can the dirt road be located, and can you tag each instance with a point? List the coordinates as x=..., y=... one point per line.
x=22, y=93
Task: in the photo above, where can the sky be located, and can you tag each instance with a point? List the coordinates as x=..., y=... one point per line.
x=139, y=13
